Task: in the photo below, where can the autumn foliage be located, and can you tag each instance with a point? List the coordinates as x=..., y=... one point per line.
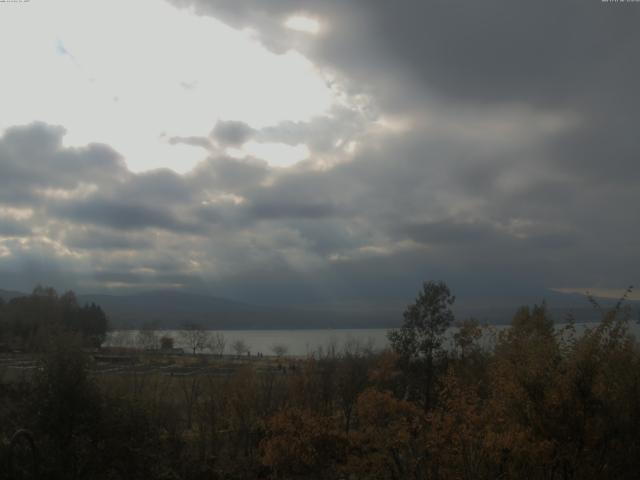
x=449, y=400
x=542, y=402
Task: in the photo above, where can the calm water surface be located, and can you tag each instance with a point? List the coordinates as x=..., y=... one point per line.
x=305, y=342
x=297, y=342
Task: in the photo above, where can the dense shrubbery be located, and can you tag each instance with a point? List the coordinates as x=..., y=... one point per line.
x=541, y=403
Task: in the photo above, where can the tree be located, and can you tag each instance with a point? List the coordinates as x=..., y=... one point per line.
x=279, y=350
x=166, y=342
x=66, y=403
x=217, y=343
x=195, y=336
x=239, y=346
x=147, y=337
x=3, y=322
x=94, y=324
x=33, y=319
x=191, y=387
x=351, y=378
x=465, y=339
x=419, y=340
x=390, y=440
x=533, y=322
x=299, y=443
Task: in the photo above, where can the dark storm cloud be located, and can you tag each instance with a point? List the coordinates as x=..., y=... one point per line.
x=225, y=174
x=133, y=279
x=489, y=239
x=36, y=171
x=120, y=215
x=288, y=210
x=348, y=225
x=487, y=51
x=161, y=187
x=449, y=232
x=514, y=167
x=32, y=159
x=296, y=194
x=97, y=239
x=232, y=132
x=571, y=55
x=10, y=227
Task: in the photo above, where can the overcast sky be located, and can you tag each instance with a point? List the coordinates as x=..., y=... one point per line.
x=320, y=151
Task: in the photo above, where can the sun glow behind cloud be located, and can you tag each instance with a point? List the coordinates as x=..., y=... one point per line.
x=277, y=154
x=303, y=24
x=133, y=81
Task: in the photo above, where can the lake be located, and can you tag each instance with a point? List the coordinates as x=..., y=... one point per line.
x=297, y=342
x=304, y=342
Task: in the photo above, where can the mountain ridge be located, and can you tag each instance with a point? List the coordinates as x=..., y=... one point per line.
x=173, y=309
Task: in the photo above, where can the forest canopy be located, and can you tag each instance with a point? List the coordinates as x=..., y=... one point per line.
x=26, y=322
x=449, y=400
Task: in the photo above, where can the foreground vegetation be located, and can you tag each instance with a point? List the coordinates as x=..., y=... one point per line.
x=541, y=403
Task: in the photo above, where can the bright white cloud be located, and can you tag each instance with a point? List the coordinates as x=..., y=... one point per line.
x=303, y=24
x=134, y=74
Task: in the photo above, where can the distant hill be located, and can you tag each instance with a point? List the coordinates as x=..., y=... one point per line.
x=7, y=295
x=172, y=309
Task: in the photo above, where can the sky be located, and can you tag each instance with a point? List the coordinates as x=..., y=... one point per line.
x=320, y=151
